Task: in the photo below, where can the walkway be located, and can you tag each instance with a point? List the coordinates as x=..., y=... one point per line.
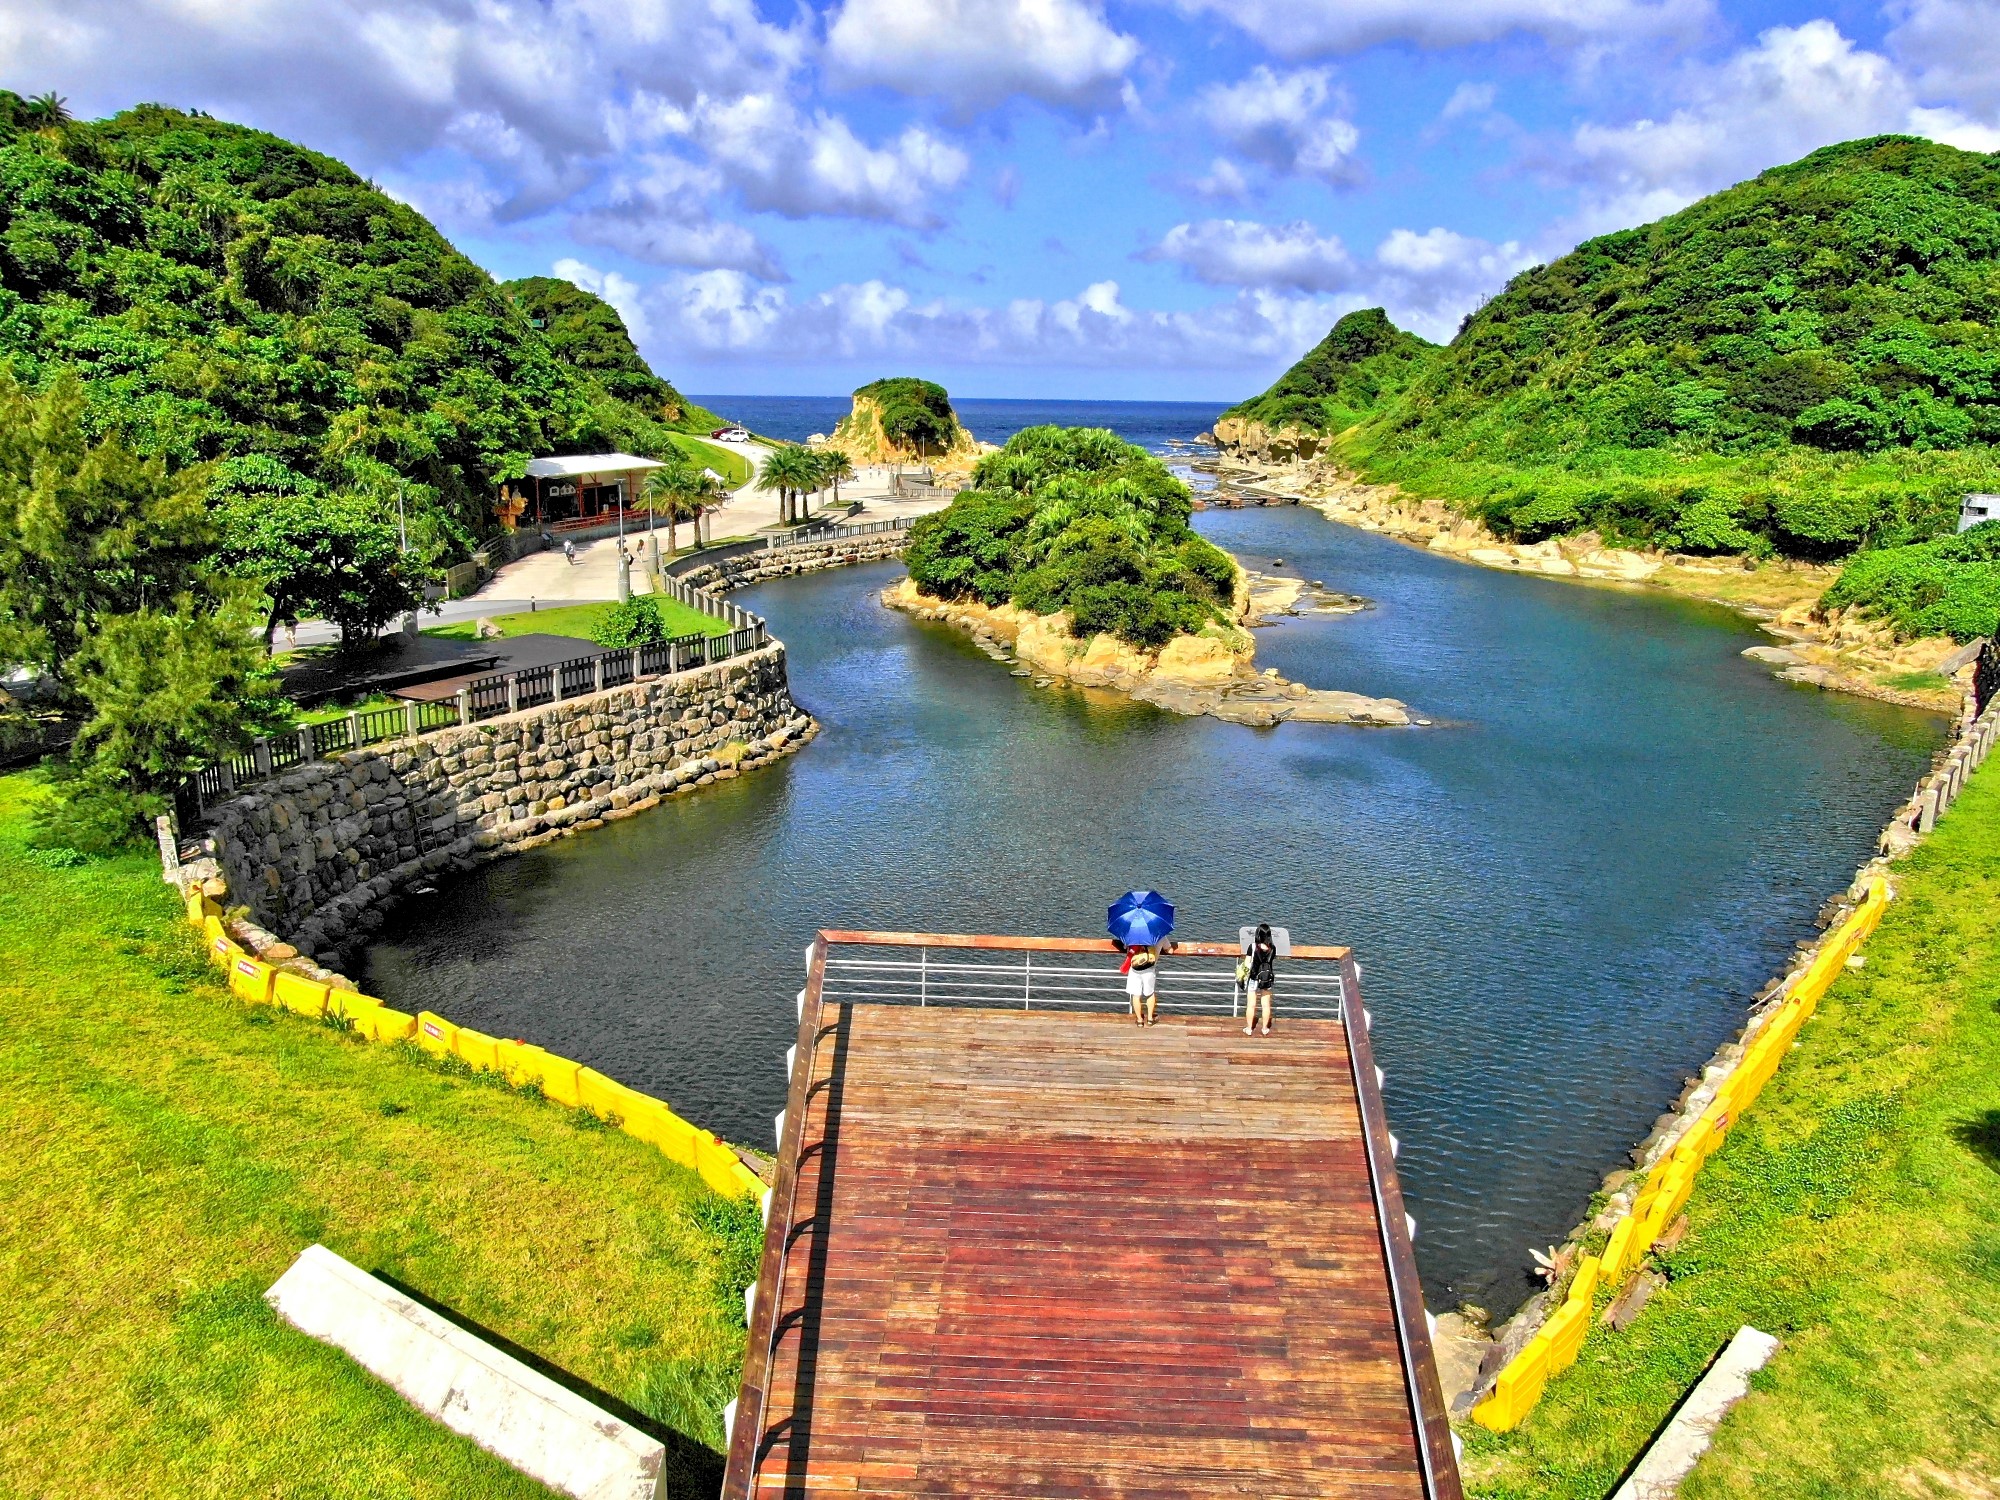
x=1044, y=1252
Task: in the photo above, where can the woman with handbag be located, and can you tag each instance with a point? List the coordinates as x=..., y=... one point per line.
x=1258, y=972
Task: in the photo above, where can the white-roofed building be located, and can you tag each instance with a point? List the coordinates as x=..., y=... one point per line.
x=581, y=489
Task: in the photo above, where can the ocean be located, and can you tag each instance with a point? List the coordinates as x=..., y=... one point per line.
x=1147, y=423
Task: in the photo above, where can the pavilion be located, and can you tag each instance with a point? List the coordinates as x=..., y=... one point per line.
x=579, y=490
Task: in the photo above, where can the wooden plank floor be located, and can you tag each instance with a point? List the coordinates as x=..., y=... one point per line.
x=1054, y=1254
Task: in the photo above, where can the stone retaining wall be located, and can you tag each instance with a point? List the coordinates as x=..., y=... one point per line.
x=803, y=557
x=319, y=852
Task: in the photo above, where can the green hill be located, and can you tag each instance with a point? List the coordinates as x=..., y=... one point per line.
x=226, y=295
x=1805, y=363
x=1363, y=362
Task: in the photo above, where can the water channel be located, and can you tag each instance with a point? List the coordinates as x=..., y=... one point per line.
x=1563, y=895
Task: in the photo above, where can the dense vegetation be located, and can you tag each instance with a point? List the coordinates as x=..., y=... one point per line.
x=228, y=296
x=1805, y=364
x=1949, y=586
x=915, y=414
x=238, y=384
x=1077, y=519
x=1363, y=362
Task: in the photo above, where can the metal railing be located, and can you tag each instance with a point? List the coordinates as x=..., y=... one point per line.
x=836, y=533
x=1199, y=981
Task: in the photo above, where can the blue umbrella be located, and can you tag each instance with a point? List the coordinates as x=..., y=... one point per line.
x=1140, y=917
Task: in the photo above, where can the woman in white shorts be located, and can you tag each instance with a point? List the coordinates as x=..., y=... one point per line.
x=1142, y=981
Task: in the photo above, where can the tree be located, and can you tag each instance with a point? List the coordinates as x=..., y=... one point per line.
x=88, y=530
x=680, y=490
x=836, y=467
x=334, y=556
x=790, y=471
x=169, y=688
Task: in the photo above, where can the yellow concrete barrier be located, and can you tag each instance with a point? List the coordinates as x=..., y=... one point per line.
x=476, y=1049
x=604, y=1097
x=435, y=1034
x=1667, y=1191
x=379, y=1023
x=1566, y=1331
x=659, y=1127
x=297, y=993
x=250, y=978
x=562, y=1081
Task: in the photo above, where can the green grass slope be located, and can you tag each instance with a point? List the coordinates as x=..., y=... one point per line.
x=227, y=295
x=1363, y=362
x=1855, y=1213
x=1806, y=363
x=164, y=1155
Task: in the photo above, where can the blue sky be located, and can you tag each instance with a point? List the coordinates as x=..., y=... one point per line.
x=1057, y=198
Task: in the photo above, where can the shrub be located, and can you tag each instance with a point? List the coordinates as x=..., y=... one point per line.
x=636, y=622
x=1950, y=586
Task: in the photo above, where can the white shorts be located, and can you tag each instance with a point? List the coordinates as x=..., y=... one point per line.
x=1140, y=983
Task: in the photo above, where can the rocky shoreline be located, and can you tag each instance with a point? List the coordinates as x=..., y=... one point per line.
x=1838, y=650
x=1209, y=674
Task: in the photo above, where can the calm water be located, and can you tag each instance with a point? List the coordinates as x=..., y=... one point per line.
x=1562, y=900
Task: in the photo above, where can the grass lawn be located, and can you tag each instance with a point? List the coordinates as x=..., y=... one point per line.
x=326, y=713
x=1854, y=1213
x=580, y=619
x=730, y=463
x=166, y=1152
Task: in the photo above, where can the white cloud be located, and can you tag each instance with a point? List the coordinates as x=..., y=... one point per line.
x=1469, y=99
x=525, y=88
x=1428, y=281
x=1242, y=252
x=724, y=317
x=658, y=211
x=1290, y=122
x=1316, y=28
x=1955, y=129
x=1223, y=180
x=977, y=53
x=1798, y=88
x=794, y=164
x=1952, y=49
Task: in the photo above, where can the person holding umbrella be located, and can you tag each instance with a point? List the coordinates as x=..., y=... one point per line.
x=1139, y=922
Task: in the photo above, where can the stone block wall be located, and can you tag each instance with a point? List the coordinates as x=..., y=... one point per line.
x=320, y=852
x=786, y=562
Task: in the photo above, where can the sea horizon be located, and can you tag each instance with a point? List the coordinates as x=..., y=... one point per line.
x=991, y=419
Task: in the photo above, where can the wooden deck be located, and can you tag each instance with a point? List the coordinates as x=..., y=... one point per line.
x=1051, y=1253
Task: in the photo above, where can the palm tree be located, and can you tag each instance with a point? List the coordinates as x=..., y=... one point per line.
x=788, y=470
x=677, y=491
x=47, y=112
x=836, y=467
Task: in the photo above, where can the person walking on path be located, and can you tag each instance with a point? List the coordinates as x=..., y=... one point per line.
x=1260, y=959
x=569, y=553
